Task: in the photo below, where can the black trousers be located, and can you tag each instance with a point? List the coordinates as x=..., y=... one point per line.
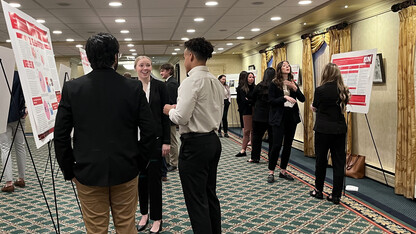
x=283, y=133
x=224, y=116
x=335, y=143
x=259, y=128
x=150, y=185
x=198, y=162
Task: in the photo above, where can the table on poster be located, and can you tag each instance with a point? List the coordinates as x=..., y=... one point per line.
x=7, y=60
x=31, y=43
x=357, y=70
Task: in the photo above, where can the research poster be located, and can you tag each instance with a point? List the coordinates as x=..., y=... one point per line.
x=357, y=70
x=7, y=60
x=295, y=72
x=35, y=60
x=64, y=74
x=85, y=63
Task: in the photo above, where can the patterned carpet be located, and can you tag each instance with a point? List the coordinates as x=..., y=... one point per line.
x=248, y=203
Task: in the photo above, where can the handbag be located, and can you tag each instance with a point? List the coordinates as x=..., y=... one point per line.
x=355, y=166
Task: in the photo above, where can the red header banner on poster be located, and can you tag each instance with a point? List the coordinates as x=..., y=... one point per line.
x=35, y=60
x=357, y=70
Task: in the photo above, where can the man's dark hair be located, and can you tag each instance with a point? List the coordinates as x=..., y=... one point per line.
x=101, y=49
x=201, y=48
x=168, y=67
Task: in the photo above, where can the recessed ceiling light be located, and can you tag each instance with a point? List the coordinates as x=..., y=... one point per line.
x=124, y=31
x=70, y=39
x=41, y=21
x=15, y=4
x=8, y=40
x=132, y=50
x=134, y=54
x=57, y=32
x=199, y=19
x=240, y=37
x=174, y=53
x=221, y=48
x=130, y=45
x=120, y=20
x=304, y=2
x=277, y=35
x=78, y=46
x=255, y=29
x=211, y=3
x=214, y=52
x=177, y=49
x=128, y=39
x=190, y=30
x=346, y=6
x=304, y=23
x=230, y=43
x=115, y=4
x=185, y=39
x=276, y=18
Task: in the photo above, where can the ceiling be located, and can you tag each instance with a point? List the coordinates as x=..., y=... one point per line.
x=157, y=26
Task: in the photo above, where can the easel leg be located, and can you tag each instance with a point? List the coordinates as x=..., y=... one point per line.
x=53, y=186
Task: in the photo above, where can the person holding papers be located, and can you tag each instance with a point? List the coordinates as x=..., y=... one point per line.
x=329, y=103
x=283, y=116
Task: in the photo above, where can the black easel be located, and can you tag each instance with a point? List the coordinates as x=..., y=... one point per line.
x=30, y=153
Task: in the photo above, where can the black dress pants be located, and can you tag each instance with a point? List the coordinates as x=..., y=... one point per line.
x=224, y=117
x=335, y=143
x=198, y=162
x=150, y=185
x=259, y=128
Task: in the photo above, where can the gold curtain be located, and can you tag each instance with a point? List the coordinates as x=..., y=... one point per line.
x=318, y=41
x=279, y=54
x=406, y=123
x=263, y=65
x=307, y=75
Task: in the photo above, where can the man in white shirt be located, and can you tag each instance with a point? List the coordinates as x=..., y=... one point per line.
x=198, y=114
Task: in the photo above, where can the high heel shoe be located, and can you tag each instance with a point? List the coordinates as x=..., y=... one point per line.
x=142, y=227
x=333, y=199
x=160, y=228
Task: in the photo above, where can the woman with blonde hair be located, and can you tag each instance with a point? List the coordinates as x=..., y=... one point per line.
x=330, y=101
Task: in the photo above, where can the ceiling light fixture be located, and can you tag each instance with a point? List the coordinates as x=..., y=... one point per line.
x=229, y=44
x=221, y=48
x=177, y=49
x=8, y=40
x=132, y=50
x=128, y=66
x=79, y=46
x=15, y=4
x=190, y=30
x=57, y=32
x=185, y=39
x=41, y=21
x=124, y=31
x=304, y=23
x=211, y=3
x=346, y=6
x=174, y=53
x=240, y=37
x=304, y=2
x=70, y=40
x=275, y=18
x=115, y=4
x=134, y=54
x=128, y=39
x=214, y=52
x=277, y=35
x=120, y=20
x=130, y=45
x=199, y=19
x=255, y=29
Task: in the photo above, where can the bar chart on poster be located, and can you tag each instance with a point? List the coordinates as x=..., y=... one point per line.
x=35, y=60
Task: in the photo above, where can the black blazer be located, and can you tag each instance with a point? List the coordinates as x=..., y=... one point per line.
x=261, y=103
x=277, y=100
x=105, y=109
x=244, y=100
x=329, y=118
x=157, y=100
x=172, y=85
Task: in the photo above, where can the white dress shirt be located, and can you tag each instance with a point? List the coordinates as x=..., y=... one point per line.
x=200, y=102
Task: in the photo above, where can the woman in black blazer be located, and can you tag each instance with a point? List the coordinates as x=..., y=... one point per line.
x=241, y=80
x=150, y=184
x=261, y=115
x=244, y=93
x=329, y=103
x=283, y=116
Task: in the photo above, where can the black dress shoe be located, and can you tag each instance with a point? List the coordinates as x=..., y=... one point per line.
x=160, y=228
x=226, y=135
x=241, y=154
x=253, y=161
x=333, y=199
x=285, y=176
x=316, y=194
x=142, y=227
x=270, y=178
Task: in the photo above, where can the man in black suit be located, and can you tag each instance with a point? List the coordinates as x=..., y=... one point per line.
x=166, y=71
x=104, y=109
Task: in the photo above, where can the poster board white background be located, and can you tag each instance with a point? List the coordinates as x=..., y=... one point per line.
x=357, y=70
x=32, y=47
x=62, y=70
x=84, y=60
x=7, y=59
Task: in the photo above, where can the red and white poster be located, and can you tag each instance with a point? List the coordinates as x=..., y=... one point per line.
x=295, y=72
x=357, y=69
x=35, y=60
x=85, y=63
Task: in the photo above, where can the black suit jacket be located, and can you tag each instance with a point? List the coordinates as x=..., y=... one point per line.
x=277, y=100
x=157, y=100
x=329, y=118
x=261, y=103
x=104, y=109
x=172, y=85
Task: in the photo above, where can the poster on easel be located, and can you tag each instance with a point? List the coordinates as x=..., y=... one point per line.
x=295, y=72
x=35, y=60
x=7, y=60
x=64, y=74
x=84, y=60
x=357, y=70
